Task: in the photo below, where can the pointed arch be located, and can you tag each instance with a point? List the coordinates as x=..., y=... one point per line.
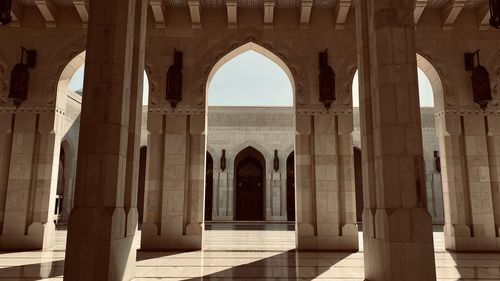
x=251, y=46
x=250, y=151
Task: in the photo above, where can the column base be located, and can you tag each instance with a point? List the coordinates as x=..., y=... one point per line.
x=151, y=241
x=39, y=237
x=97, y=246
x=398, y=261
x=307, y=241
x=398, y=245
x=170, y=242
x=328, y=243
x=458, y=238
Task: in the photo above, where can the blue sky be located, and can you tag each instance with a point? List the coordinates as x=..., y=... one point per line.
x=251, y=79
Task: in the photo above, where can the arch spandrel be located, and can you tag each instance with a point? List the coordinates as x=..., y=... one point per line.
x=59, y=68
x=494, y=70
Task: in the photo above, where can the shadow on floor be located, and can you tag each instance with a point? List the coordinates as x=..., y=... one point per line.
x=36, y=271
x=291, y=265
x=284, y=266
x=476, y=266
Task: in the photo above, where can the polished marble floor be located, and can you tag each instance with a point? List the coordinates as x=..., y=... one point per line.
x=247, y=255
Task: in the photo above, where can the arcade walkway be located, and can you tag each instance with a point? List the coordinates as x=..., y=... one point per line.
x=247, y=255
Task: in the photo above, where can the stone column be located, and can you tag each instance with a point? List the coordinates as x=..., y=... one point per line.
x=493, y=138
x=101, y=231
x=470, y=182
x=176, y=180
x=398, y=239
x=326, y=211
x=29, y=176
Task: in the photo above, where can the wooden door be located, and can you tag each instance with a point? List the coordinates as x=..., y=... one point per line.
x=249, y=190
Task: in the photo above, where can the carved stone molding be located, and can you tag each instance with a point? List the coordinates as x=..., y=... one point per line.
x=345, y=74
x=61, y=60
x=494, y=70
x=450, y=94
x=4, y=81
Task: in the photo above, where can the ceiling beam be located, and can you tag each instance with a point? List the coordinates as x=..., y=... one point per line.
x=420, y=6
x=451, y=13
x=81, y=7
x=305, y=13
x=16, y=14
x=158, y=13
x=232, y=13
x=344, y=6
x=195, y=11
x=483, y=14
x=269, y=13
x=48, y=11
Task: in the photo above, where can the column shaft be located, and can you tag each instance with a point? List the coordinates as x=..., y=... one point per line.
x=398, y=243
x=100, y=242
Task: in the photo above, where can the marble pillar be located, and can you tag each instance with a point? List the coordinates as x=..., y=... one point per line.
x=30, y=165
x=470, y=181
x=103, y=222
x=175, y=186
x=398, y=238
x=326, y=211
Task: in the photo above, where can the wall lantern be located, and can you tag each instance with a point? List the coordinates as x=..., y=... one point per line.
x=20, y=76
x=174, y=81
x=481, y=87
x=326, y=81
x=276, y=161
x=495, y=13
x=223, y=160
x=437, y=161
x=5, y=8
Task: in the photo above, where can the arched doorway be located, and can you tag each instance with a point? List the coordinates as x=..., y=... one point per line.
x=209, y=187
x=142, y=183
x=290, y=187
x=358, y=182
x=60, y=186
x=249, y=189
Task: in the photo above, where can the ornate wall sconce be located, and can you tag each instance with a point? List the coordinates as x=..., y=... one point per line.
x=223, y=160
x=481, y=87
x=437, y=161
x=276, y=161
x=495, y=13
x=5, y=9
x=327, y=93
x=20, y=76
x=174, y=81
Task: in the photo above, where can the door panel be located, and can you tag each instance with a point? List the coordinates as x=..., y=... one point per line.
x=250, y=190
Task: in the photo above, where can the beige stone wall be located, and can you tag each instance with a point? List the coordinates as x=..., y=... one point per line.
x=266, y=130
x=466, y=165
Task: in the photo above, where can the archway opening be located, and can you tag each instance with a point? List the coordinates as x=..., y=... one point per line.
x=431, y=101
x=250, y=111
x=69, y=97
x=290, y=187
x=209, y=187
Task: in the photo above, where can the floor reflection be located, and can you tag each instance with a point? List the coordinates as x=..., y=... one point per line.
x=247, y=254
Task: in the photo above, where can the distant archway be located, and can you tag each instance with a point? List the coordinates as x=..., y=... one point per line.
x=250, y=167
x=358, y=183
x=290, y=187
x=142, y=182
x=209, y=187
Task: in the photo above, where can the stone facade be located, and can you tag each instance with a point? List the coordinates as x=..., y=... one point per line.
x=386, y=40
